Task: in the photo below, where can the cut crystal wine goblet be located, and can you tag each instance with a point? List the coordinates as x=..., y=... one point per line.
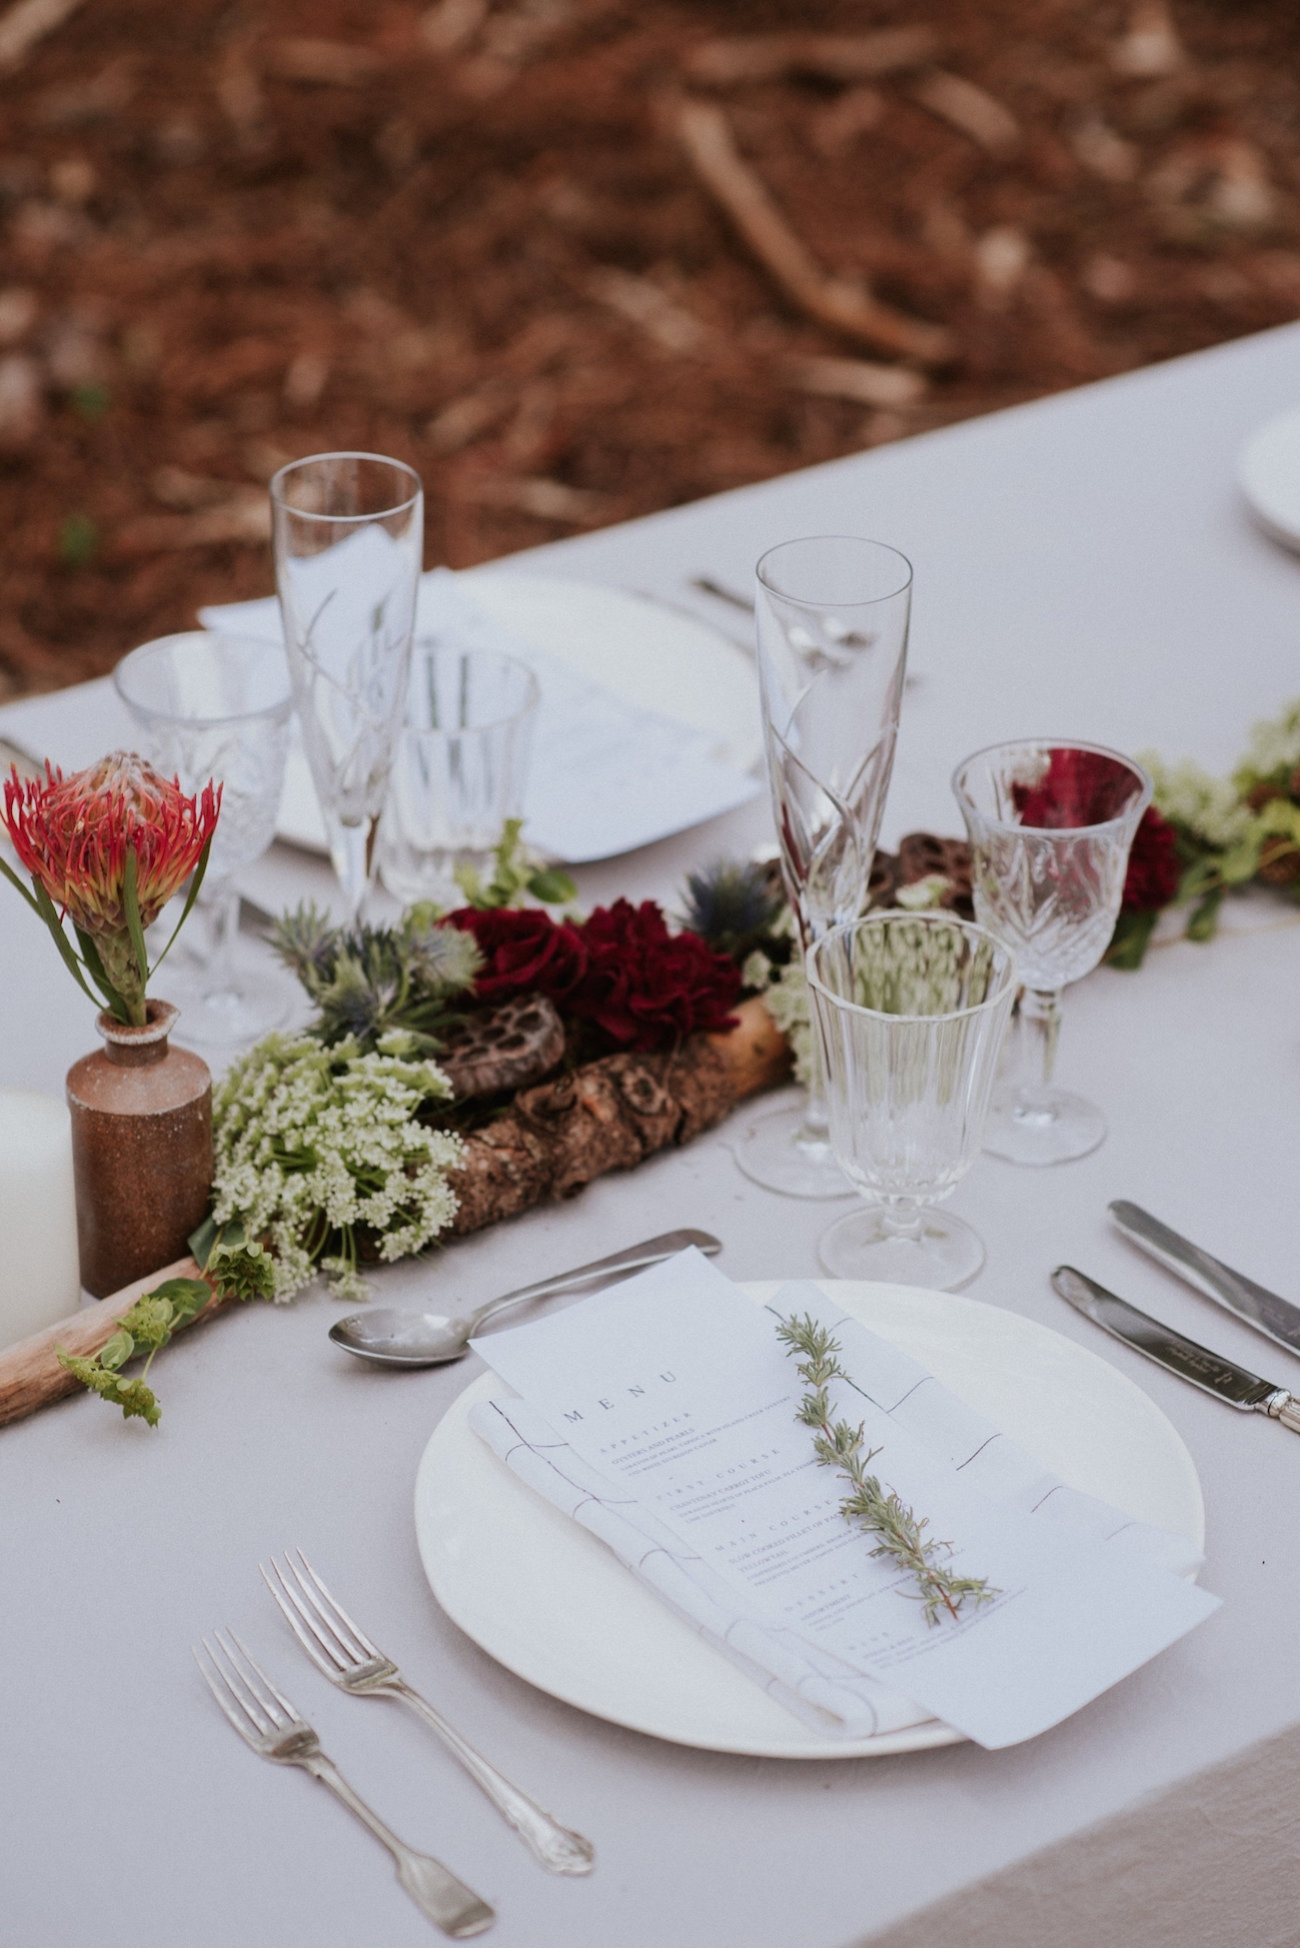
x=211, y=705
x=1050, y=826
x=911, y=1011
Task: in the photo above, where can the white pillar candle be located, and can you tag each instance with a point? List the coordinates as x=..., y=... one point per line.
x=39, y=1278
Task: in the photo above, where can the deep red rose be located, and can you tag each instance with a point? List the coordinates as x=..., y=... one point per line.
x=1153, y=869
x=524, y=952
x=1078, y=788
x=647, y=988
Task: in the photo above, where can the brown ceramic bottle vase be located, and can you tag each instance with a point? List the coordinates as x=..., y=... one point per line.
x=141, y=1150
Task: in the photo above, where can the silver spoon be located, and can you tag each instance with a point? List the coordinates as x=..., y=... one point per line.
x=394, y=1336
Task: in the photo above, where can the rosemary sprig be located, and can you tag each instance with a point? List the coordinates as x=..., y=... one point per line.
x=839, y=1445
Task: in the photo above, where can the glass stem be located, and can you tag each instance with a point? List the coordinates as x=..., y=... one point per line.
x=222, y=912
x=1039, y=1031
x=352, y=849
x=901, y=1217
x=815, y=1128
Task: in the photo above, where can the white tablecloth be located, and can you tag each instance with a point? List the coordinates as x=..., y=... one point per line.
x=1083, y=567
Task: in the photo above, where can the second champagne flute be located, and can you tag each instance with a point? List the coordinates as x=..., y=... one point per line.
x=348, y=531
x=832, y=616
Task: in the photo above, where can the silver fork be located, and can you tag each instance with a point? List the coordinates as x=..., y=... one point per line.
x=340, y=1649
x=266, y=1720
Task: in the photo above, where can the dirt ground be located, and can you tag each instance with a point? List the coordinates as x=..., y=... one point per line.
x=577, y=260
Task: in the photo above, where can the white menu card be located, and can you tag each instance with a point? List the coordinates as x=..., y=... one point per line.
x=667, y=1406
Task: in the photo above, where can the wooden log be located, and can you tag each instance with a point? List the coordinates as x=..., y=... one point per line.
x=30, y=1374
x=710, y=146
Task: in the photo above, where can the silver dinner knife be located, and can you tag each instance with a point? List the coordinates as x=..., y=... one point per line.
x=1275, y=1317
x=1207, y=1370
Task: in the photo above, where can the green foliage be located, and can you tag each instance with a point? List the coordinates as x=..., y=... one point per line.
x=839, y=1445
x=368, y=982
x=516, y=872
x=240, y=1271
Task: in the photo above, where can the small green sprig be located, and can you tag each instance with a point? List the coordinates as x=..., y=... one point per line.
x=515, y=871
x=839, y=1445
x=240, y=1271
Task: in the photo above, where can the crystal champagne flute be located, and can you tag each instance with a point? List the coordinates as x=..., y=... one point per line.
x=832, y=614
x=348, y=532
x=1050, y=827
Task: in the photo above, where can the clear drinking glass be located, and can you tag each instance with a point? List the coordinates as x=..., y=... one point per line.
x=348, y=531
x=1050, y=827
x=459, y=769
x=832, y=615
x=910, y=1011
x=209, y=705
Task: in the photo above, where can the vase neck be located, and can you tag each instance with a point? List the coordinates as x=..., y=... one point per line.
x=128, y=1047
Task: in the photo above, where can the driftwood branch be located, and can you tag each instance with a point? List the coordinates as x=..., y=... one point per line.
x=707, y=139
x=30, y=1374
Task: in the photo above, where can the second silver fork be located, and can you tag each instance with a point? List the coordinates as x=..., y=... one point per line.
x=343, y=1653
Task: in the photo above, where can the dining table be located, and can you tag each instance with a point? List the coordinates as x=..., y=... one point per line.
x=1085, y=568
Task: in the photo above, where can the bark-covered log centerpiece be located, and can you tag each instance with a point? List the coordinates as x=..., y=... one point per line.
x=460, y=1068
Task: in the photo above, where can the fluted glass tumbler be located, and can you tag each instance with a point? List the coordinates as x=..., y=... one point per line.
x=910, y=1011
x=348, y=531
x=213, y=705
x=460, y=767
x=1050, y=826
x=832, y=618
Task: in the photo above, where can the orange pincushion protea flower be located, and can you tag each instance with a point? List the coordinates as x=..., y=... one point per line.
x=108, y=847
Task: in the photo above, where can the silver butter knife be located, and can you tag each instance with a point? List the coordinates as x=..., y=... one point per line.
x=1275, y=1317
x=1209, y=1371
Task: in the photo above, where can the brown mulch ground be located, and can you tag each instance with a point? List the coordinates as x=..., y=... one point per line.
x=237, y=231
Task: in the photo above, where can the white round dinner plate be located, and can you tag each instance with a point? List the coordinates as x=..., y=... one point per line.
x=653, y=656
x=545, y=1599
x=1268, y=472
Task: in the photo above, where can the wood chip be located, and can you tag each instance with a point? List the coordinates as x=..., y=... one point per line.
x=970, y=110
x=23, y=25
x=648, y=305
x=451, y=24
x=548, y=500
x=334, y=64
x=1151, y=47
x=706, y=136
x=22, y=401
x=243, y=520
x=828, y=57
x=860, y=380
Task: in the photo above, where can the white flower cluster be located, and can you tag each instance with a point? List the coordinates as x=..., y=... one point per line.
x=785, y=996
x=1207, y=807
x=312, y=1143
x=1275, y=744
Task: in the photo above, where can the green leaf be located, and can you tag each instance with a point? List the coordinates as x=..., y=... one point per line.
x=552, y=887
x=186, y=1296
x=202, y=1241
x=1204, y=920
x=195, y=883
x=50, y=914
x=116, y=1351
x=1130, y=940
x=135, y=1398
x=99, y=974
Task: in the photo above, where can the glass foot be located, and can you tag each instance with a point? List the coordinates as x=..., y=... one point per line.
x=944, y=1255
x=1044, y=1127
x=242, y=1014
x=779, y=1152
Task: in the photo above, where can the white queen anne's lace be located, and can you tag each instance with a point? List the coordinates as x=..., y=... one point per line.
x=312, y=1143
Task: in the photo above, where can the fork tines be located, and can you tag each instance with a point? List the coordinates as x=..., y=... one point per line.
x=327, y=1633
x=241, y=1687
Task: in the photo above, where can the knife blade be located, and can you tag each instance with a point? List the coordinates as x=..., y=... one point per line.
x=1209, y=1371
x=1275, y=1317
